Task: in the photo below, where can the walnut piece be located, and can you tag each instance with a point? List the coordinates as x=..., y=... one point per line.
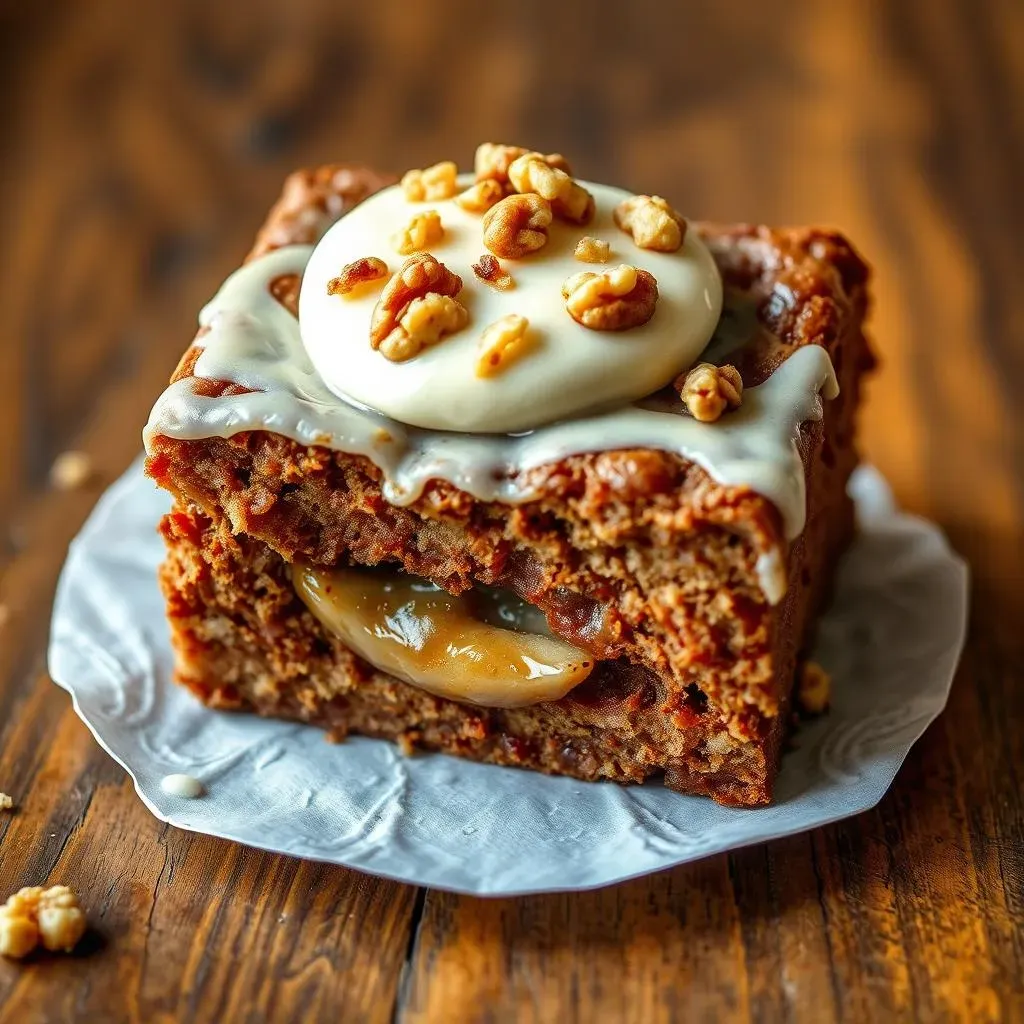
x=425, y=322
x=354, y=277
x=491, y=272
x=532, y=172
x=813, y=689
x=708, y=390
x=61, y=921
x=19, y=934
x=652, y=223
x=592, y=250
x=501, y=344
x=430, y=184
x=493, y=160
x=419, y=274
x=615, y=300
x=6, y=803
x=423, y=231
x=34, y=915
x=70, y=470
x=479, y=198
x=517, y=226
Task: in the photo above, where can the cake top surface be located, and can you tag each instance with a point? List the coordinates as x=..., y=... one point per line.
x=511, y=354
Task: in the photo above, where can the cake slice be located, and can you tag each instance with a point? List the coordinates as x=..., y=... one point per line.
x=661, y=611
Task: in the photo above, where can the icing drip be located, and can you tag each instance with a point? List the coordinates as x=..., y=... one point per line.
x=253, y=341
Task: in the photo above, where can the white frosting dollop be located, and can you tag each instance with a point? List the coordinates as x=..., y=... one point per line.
x=186, y=786
x=568, y=368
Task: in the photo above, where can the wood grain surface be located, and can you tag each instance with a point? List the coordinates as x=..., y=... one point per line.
x=142, y=144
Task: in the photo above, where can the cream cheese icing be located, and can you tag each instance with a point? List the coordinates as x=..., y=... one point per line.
x=568, y=368
x=253, y=341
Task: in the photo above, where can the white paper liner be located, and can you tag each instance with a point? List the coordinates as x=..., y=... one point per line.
x=891, y=642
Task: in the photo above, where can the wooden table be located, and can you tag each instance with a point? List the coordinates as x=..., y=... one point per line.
x=142, y=144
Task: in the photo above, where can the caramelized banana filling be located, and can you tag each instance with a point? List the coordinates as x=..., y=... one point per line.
x=486, y=647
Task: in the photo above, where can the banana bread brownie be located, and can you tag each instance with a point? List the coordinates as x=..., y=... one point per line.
x=689, y=598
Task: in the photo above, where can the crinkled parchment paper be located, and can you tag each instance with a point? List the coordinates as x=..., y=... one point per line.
x=891, y=642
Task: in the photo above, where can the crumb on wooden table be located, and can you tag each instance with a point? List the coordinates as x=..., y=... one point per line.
x=70, y=470
x=6, y=803
x=35, y=916
x=813, y=689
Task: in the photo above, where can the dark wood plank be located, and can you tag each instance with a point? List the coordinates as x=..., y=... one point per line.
x=144, y=143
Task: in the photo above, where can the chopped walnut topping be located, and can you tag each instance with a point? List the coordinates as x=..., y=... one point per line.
x=355, y=277
x=419, y=274
x=708, y=390
x=431, y=184
x=652, y=223
x=813, y=689
x=479, y=198
x=423, y=231
x=71, y=470
x=425, y=322
x=34, y=915
x=533, y=172
x=398, y=330
x=501, y=344
x=592, y=250
x=517, y=226
x=491, y=272
x=576, y=205
x=6, y=803
x=615, y=300
x=493, y=159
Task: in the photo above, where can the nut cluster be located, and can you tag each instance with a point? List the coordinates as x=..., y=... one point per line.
x=519, y=193
x=494, y=159
x=542, y=188
x=615, y=300
x=708, y=390
x=36, y=916
x=417, y=308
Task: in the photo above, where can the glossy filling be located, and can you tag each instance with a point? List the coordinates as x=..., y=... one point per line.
x=485, y=647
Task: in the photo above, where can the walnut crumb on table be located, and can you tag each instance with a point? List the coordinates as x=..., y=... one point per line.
x=70, y=470
x=35, y=916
